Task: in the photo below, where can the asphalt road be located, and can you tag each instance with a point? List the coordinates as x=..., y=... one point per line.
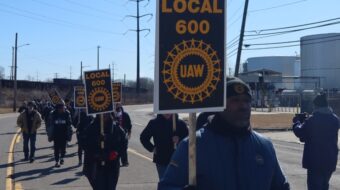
x=140, y=175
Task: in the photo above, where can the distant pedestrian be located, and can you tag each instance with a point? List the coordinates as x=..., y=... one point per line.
x=80, y=123
x=29, y=121
x=319, y=132
x=103, y=177
x=164, y=138
x=60, y=131
x=23, y=107
x=124, y=122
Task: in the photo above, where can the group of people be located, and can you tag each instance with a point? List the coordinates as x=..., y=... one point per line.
x=101, y=164
x=230, y=154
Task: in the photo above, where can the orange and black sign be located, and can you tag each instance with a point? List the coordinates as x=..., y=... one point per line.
x=98, y=91
x=117, y=92
x=54, y=96
x=79, y=97
x=190, y=58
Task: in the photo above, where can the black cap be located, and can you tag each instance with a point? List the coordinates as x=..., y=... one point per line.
x=320, y=100
x=236, y=86
x=31, y=104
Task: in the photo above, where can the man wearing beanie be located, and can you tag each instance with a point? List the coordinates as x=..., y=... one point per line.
x=230, y=155
x=319, y=132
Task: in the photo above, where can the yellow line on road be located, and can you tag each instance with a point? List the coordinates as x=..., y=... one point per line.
x=139, y=154
x=10, y=167
x=18, y=139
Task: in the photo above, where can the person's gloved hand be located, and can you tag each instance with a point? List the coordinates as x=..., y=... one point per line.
x=113, y=155
x=189, y=187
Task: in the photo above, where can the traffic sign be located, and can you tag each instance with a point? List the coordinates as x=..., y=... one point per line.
x=190, y=56
x=98, y=91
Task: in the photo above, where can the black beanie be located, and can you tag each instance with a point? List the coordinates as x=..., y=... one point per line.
x=321, y=100
x=236, y=86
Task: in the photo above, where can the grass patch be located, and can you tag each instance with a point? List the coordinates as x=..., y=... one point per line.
x=6, y=110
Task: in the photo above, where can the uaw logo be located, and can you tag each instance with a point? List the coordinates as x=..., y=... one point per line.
x=100, y=99
x=192, y=70
x=80, y=100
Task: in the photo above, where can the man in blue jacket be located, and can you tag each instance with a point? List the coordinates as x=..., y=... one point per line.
x=230, y=155
x=320, y=134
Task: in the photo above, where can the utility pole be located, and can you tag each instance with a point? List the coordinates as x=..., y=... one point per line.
x=55, y=75
x=81, y=70
x=37, y=76
x=113, y=72
x=15, y=73
x=240, y=44
x=98, y=57
x=12, y=67
x=138, y=30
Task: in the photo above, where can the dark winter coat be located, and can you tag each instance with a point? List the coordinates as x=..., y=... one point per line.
x=161, y=131
x=126, y=122
x=320, y=134
x=59, y=127
x=114, y=139
x=227, y=159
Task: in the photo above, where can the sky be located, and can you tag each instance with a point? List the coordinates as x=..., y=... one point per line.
x=62, y=33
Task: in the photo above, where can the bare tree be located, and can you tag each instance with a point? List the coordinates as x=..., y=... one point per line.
x=2, y=73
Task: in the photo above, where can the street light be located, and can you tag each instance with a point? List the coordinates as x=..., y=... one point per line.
x=15, y=70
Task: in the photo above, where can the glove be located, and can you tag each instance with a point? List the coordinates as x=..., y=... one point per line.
x=189, y=187
x=113, y=155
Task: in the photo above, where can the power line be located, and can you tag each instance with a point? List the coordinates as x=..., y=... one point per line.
x=275, y=7
x=46, y=19
x=73, y=11
x=294, y=26
x=92, y=8
x=296, y=30
x=236, y=38
x=293, y=41
x=275, y=47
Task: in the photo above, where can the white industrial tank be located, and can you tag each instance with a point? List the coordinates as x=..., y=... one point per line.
x=320, y=57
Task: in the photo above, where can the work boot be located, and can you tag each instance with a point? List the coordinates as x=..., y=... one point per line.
x=61, y=161
x=57, y=165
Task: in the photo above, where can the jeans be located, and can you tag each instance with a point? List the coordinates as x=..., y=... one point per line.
x=160, y=170
x=29, y=138
x=317, y=180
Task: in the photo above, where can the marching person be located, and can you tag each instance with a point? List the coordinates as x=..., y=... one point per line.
x=124, y=122
x=319, y=132
x=230, y=155
x=164, y=137
x=103, y=177
x=80, y=123
x=29, y=121
x=60, y=131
